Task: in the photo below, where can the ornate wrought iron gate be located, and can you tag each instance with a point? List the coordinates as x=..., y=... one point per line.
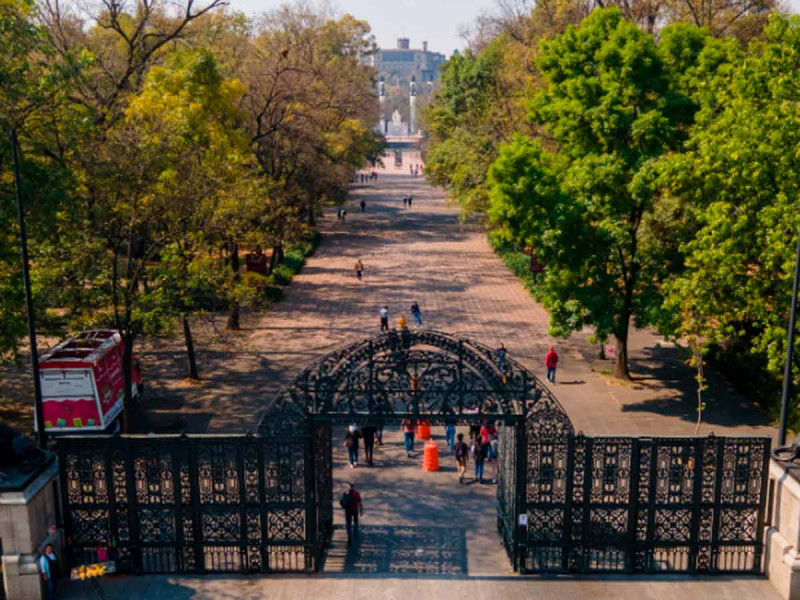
x=199, y=504
x=566, y=503
x=644, y=505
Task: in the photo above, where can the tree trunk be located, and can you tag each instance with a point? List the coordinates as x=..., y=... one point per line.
x=276, y=258
x=190, y=354
x=621, y=368
x=233, y=317
x=273, y=260
x=127, y=379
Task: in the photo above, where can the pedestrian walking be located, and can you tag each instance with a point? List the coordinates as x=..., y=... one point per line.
x=344, y=215
x=408, y=426
x=479, y=451
x=410, y=199
x=338, y=214
x=363, y=205
x=461, y=451
x=501, y=353
x=551, y=361
x=351, y=443
x=48, y=567
x=353, y=507
x=368, y=435
x=384, y=314
x=359, y=269
x=487, y=431
x=450, y=434
x=379, y=434
x=416, y=313
x=405, y=201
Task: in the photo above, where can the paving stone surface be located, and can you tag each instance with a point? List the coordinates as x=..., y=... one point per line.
x=425, y=253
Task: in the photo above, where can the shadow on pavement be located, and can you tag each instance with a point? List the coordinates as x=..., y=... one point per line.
x=402, y=550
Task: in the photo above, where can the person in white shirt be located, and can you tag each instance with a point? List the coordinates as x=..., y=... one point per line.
x=47, y=567
x=384, y=314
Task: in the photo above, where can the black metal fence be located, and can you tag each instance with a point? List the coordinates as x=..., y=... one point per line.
x=190, y=504
x=566, y=504
x=644, y=505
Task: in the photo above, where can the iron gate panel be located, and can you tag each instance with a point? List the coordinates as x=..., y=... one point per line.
x=644, y=505
x=507, y=487
x=190, y=504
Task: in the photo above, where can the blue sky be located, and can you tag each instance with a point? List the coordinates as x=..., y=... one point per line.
x=437, y=21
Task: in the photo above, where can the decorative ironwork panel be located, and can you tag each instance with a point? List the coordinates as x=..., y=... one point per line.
x=189, y=504
x=652, y=505
x=323, y=472
x=507, y=483
x=418, y=373
x=218, y=473
x=284, y=471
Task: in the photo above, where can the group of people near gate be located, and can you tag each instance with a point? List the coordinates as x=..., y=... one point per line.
x=481, y=448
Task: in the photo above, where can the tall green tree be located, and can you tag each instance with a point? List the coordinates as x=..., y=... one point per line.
x=587, y=208
x=738, y=184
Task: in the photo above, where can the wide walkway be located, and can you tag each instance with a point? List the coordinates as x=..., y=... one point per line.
x=424, y=253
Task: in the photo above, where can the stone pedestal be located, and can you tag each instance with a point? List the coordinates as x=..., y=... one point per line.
x=783, y=534
x=26, y=519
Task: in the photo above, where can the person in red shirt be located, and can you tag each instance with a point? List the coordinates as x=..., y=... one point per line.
x=551, y=361
x=353, y=509
x=487, y=431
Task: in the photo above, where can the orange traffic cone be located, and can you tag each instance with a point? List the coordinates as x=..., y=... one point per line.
x=430, y=458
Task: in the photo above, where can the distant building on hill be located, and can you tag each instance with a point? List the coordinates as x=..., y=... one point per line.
x=398, y=65
x=405, y=78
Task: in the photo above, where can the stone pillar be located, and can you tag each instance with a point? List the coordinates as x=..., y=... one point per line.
x=782, y=540
x=27, y=522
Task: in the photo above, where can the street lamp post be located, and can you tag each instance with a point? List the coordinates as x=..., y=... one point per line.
x=26, y=277
x=787, y=371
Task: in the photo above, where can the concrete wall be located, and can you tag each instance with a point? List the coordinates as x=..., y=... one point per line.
x=783, y=532
x=27, y=521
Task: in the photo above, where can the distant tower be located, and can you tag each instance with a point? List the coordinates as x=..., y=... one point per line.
x=383, y=123
x=412, y=101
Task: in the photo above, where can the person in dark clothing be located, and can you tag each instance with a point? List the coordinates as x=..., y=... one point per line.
x=363, y=206
x=461, y=451
x=479, y=452
x=351, y=443
x=368, y=434
x=410, y=199
x=416, y=313
x=353, y=508
x=474, y=430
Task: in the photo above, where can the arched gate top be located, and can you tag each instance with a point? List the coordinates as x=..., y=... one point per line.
x=420, y=373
